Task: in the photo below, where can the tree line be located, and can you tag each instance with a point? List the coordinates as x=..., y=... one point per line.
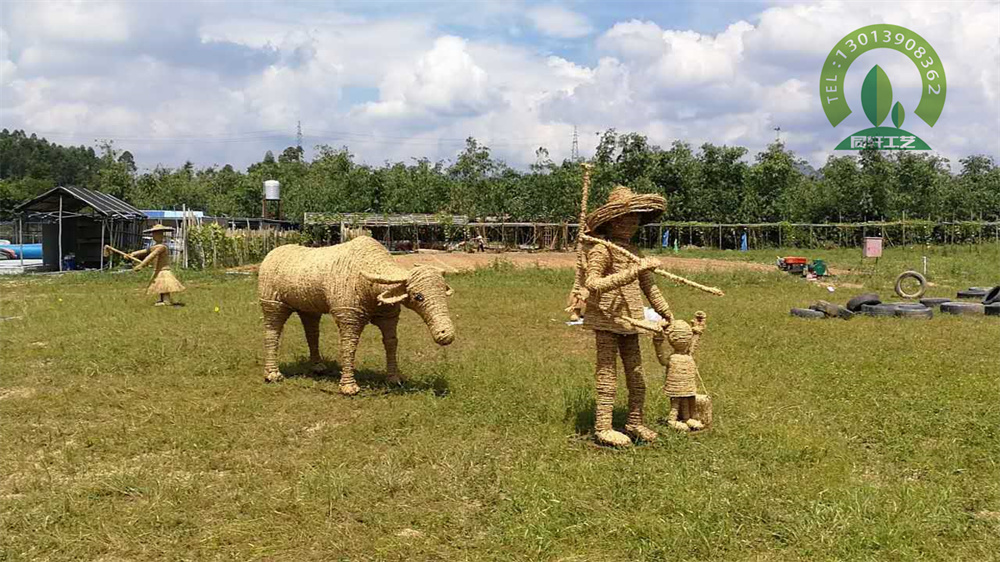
x=710, y=183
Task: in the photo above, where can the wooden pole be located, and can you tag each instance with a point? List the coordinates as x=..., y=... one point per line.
x=102, y=244
x=20, y=236
x=60, y=256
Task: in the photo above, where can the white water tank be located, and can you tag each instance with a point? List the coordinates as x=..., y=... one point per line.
x=272, y=190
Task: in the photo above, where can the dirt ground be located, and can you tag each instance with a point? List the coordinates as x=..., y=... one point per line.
x=459, y=261
x=456, y=261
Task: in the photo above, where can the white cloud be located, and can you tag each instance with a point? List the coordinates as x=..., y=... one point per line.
x=405, y=83
x=76, y=22
x=558, y=21
x=444, y=81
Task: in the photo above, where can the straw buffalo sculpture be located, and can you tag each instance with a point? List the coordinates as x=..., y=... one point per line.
x=359, y=284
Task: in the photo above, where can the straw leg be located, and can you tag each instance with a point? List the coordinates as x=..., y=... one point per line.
x=310, y=324
x=635, y=380
x=687, y=410
x=275, y=315
x=350, y=327
x=388, y=328
x=607, y=358
x=673, y=419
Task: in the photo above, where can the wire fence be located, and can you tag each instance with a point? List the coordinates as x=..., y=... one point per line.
x=32, y=232
x=805, y=235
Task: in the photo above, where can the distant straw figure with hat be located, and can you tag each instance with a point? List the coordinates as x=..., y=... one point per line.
x=163, y=283
x=614, y=286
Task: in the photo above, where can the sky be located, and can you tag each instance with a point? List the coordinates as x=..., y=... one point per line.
x=223, y=82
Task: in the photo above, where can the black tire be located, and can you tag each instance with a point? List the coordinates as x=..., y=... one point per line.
x=911, y=275
x=907, y=312
x=992, y=309
x=993, y=296
x=973, y=293
x=911, y=306
x=855, y=304
x=807, y=313
x=933, y=301
x=969, y=308
x=883, y=310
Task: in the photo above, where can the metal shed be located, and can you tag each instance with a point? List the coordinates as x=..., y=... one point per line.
x=81, y=221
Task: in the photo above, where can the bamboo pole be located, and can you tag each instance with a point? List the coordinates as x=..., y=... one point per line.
x=636, y=259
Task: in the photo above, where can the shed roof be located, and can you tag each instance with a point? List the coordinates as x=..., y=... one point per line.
x=76, y=199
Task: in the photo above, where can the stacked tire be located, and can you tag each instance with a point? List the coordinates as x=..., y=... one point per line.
x=870, y=305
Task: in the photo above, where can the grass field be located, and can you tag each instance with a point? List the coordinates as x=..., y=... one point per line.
x=138, y=433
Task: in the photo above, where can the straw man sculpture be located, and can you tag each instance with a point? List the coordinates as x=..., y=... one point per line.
x=682, y=372
x=163, y=283
x=359, y=284
x=615, y=286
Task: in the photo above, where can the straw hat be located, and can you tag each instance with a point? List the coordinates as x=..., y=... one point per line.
x=623, y=202
x=158, y=228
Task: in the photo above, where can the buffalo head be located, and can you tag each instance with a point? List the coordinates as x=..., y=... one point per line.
x=422, y=290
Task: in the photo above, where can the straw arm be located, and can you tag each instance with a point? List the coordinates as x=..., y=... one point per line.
x=598, y=261
x=629, y=255
x=648, y=285
x=123, y=254
x=649, y=326
x=149, y=257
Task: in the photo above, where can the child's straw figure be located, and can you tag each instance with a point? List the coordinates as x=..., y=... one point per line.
x=682, y=372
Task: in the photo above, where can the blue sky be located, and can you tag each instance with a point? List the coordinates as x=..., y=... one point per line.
x=222, y=82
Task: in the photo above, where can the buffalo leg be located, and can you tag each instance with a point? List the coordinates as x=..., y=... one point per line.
x=350, y=327
x=388, y=328
x=275, y=315
x=310, y=323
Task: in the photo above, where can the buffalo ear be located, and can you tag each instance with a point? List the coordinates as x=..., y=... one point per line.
x=449, y=291
x=394, y=295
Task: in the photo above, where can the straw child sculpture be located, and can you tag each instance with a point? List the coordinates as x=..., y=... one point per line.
x=614, y=287
x=163, y=283
x=359, y=284
x=682, y=372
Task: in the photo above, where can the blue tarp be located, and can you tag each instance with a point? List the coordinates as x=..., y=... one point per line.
x=31, y=251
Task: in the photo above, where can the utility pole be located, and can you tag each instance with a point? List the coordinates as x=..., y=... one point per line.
x=298, y=139
x=575, y=151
